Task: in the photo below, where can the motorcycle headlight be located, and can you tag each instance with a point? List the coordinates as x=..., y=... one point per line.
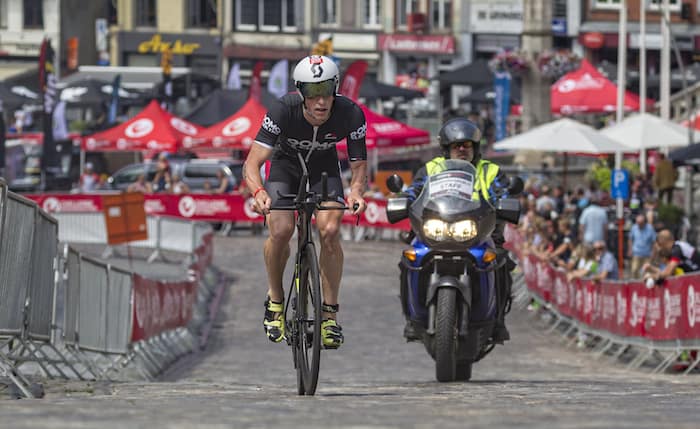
x=435, y=229
x=463, y=230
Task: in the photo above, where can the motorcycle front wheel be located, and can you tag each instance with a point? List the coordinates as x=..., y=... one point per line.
x=446, y=332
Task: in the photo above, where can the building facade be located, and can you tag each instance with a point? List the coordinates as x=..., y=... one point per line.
x=599, y=30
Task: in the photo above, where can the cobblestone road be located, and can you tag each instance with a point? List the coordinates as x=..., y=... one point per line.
x=375, y=380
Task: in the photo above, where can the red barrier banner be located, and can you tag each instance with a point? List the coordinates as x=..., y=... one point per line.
x=204, y=207
x=667, y=312
x=545, y=280
x=55, y=203
x=203, y=254
x=159, y=306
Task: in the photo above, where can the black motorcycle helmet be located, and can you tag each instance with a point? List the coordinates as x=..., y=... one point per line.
x=460, y=130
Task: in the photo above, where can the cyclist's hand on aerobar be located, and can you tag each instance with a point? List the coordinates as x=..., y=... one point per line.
x=262, y=203
x=353, y=199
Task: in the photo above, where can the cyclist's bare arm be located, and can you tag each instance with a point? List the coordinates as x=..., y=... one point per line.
x=358, y=184
x=251, y=174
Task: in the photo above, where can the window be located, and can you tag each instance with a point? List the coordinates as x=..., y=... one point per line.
x=371, y=13
x=441, y=14
x=559, y=9
x=33, y=13
x=201, y=13
x=3, y=13
x=328, y=13
x=112, y=16
x=606, y=4
x=145, y=13
x=674, y=5
x=265, y=15
x=403, y=9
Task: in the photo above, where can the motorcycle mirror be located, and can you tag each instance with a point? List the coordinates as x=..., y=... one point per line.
x=394, y=183
x=515, y=186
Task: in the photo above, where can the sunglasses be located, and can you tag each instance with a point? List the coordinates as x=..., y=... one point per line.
x=598, y=248
x=457, y=145
x=317, y=89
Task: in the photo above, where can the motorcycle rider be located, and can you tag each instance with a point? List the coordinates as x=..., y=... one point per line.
x=460, y=138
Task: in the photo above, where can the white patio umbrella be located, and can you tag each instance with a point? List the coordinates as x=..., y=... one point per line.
x=563, y=135
x=645, y=131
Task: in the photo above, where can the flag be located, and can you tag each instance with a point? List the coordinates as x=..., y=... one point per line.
x=2, y=140
x=234, y=77
x=60, y=128
x=114, y=103
x=350, y=86
x=501, y=85
x=279, y=75
x=166, y=64
x=47, y=83
x=255, y=81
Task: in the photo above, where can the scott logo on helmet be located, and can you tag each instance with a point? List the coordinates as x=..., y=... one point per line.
x=317, y=70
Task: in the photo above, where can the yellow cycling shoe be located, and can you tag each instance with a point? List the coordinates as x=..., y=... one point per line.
x=331, y=334
x=274, y=320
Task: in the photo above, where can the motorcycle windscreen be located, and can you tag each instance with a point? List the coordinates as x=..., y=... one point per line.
x=450, y=192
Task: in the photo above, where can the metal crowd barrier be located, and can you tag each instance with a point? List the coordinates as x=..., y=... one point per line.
x=64, y=314
x=559, y=307
x=28, y=254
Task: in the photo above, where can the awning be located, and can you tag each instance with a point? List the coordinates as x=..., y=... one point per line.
x=9, y=70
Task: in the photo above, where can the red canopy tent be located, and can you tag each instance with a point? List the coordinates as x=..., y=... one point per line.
x=586, y=90
x=384, y=132
x=235, y=132
x=152, y=129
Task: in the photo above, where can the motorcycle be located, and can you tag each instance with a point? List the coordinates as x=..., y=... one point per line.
x=447, y=288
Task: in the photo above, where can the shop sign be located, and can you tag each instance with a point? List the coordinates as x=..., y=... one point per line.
x=593, y=40
x=559, y=26
x=497, y=16
x=157, y=45
x=418, y=44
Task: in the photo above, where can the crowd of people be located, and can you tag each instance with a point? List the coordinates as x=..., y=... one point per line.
x=575, y=230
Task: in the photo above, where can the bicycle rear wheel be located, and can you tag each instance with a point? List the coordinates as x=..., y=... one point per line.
x=308, y=319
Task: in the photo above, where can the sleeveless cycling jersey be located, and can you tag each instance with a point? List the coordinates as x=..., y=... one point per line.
x=285, y=129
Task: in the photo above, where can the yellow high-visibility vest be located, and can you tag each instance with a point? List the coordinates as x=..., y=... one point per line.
x=486, y=173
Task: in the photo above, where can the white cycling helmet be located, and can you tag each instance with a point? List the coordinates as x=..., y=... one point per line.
x=315, y=76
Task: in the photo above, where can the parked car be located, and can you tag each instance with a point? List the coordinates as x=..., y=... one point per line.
x=194, y=172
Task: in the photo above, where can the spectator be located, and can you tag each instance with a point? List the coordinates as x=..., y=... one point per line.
x=665, y=176
x=607, y=264
x=89, y=180
x=641, y=242
x=558, y=196
x=593, y=223
x=140, y=185
x=564, y=244
x=683, y=255
x=178, y=186
x=652, y=273
x=586, y=264
x=162, y=179
x=637, y=198
x=545, y=203
x=225, y=186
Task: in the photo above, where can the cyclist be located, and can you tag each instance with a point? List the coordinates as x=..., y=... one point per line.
x=461, y=139
x=310, y=121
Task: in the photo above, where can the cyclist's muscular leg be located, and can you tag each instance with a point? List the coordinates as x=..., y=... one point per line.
x=331, y=255
x=281, y=227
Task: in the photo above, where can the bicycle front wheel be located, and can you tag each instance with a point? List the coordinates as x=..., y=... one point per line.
x=309, y=321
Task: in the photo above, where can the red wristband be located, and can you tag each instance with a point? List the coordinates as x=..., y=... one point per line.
x=255, y=194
